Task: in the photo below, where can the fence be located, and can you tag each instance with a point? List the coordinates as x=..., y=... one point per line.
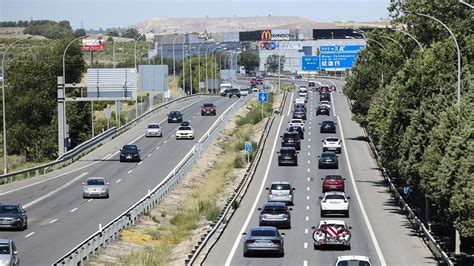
x=110, y=232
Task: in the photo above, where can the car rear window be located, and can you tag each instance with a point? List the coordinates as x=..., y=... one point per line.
x=95, y=182
x=174, y=113
x=334, y=177
x=328, y=154
x=280, y=186
x=328, y=123
x=287, y=151
x=4, y=249
x=339, y=197
x=130, y=148
x=9, y=209
x=332, y=139
x=208, y=105
x=274, y=209
x=263, y=232
x=353, y=263
x=153, y=126
x=184, y=128
x=290, y=135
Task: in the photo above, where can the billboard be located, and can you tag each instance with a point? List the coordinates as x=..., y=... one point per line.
x=250, y=36
x=269, y=45
x=310, y=63
x=266, y=35
x=337, y=60
x=291, y=45
x=153, y=78
x=340, y=48
x=116, y=83
x=280, y=35
x=93, y=45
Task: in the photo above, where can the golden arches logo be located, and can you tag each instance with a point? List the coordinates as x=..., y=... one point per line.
x=266, y=35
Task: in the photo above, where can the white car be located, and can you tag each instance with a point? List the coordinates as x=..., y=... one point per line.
x=353, y=260
x=303, y=94
x=244, y=92
x=185, y=132
x=334, y=202
x=153, y=130
x=325, y=103
x=332, y=233
x=296, y=123
x=332, y=144
x=302, y=89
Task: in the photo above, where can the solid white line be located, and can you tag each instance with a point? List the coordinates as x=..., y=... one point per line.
x=359, y=200
x=291, y=104
x=30, y=234
x=73, y=210
x=118, y=181
x=251, y=212
x=305, y=244
x=129, y=171
x=29, y=204
x=53, y=221
x=332, y=105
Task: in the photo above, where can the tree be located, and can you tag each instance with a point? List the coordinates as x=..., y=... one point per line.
x=113, y=33
x=131, y=33
x=249, y=60
x=274, y=62
x=79, y=33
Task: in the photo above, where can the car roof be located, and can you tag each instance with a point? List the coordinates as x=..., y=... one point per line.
x=155, y=124
x=272, y=228
x=334, y=193
x=10, y=204
x=353, y=257
x=5, y=241
x=332, y=222
x=327, y=176
x=275, y=203
x=281, y=183
x=288, y=148
x=130, y=145
x=95, y=177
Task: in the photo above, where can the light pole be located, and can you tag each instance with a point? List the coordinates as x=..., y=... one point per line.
x=397, y=42
x=466, y=4
x=191, y=67
x=5, y=160
x=135, y=55
x=411, y=36
x=184, y=76
x=207, y=50
x=199, y=65
x=113, y=51
x=215, y=60
x=174, y=62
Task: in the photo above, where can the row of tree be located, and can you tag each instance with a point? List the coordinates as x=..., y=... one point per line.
x=407, y=99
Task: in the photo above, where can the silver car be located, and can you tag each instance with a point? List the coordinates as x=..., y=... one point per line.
x=153, y=130
x=281, y=192
x=263, y=239
x=275, y=214
x=8, y=253
x=97, y=187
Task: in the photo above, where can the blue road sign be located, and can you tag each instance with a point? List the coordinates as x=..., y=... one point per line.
x=338, y=60
x=262, y=96
x=248, y=146
x=340, y=48
x=310, y=63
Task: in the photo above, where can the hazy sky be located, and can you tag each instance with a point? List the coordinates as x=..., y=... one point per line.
x=124, y=13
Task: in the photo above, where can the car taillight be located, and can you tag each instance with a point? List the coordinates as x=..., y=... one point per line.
x=274, y=241
x=250, y=241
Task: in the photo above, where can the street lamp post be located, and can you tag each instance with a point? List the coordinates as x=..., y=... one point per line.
x=184, y=76
x=5, y=160
x=135, y=56
x=113, y=51
x=411, y=36
x=207, y=50
x=174, y=62
x=397, y=42
x=199, y=65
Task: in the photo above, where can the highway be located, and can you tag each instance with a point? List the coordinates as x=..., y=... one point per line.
x=379, y=231
x=59, y=218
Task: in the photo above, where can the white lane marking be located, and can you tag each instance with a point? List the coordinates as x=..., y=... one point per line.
x=309, y=161
x=309, y=133
x=89, y=200
x=305, y=244
x=359, y=200
x=129, y=171
x=140, y=162
x=309, y=170
x=306, y=230
x=305, y=263
x=291, y=103
x=53, y=221
x=149, y=155
x=29, y=204
x=332, y=105
x=73, y=210
x=307, y=207
x=309, y=153
x=307, y=218
x=309, y=146
x=309, y=140
x=157, y=148
x=105, y=158
x=309, y=179
x=30, y=234
x=308, y=188
x=165, y=141
x=307, y=197
x=118, y=181
x=251, y=212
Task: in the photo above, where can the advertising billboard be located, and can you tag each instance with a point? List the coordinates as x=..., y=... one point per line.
x=280, y=35
x=112, y=83
x=93, y=45
x=269, y=45
x=266, y=35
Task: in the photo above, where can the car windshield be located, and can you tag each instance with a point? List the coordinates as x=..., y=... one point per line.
x=274, y=209
x=280, y=186
x=328, y=155
x=328, y=123
x=208, y=105
x=4, y=249
x=290, y=135
x=130, y=148
x=263, y=232
x=336, y=196
x=9, y=209
x=287, y=151
x=175, y=113
x=334, y=177
x=184, y=128
x=294, y=129
x=332, y=139
x=153, y=126
x=353, y=263
x=95, y=182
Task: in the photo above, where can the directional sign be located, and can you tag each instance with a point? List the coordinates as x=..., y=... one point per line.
x=262, y=96
x=338, y=60
x=341, y=48
x=310, y=63
x=248, y=146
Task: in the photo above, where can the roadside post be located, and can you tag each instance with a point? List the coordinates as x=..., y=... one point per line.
x=262, y=98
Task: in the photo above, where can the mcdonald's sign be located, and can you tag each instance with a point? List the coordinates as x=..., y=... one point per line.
x=266, y=35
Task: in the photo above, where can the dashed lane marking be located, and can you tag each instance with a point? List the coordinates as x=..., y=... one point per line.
x=53, y=221
x=129, y=171
x=118, y=181
x=30, y=234
x=73, y=210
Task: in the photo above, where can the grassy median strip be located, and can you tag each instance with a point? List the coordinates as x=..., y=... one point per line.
x=203, y=203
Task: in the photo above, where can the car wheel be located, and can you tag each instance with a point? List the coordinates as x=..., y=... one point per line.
x=323, y=213
x=107, y=196
x=246, y=254
x=324, y=149
x=315, y=247
x=26, y=225
x=282, y=253
x=338, y=150
x=279, y=164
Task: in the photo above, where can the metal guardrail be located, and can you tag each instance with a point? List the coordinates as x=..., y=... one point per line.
x=110, y=232
x=230, y=206
x=85, y=147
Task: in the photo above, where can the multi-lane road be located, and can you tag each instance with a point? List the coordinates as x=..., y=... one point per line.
x=59, y=218
x=379, y=231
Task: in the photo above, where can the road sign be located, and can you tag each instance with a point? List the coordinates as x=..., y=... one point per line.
x=340, y=48
x=248, y=146
x=337, y=60
x=262, y=96
x=310, y=63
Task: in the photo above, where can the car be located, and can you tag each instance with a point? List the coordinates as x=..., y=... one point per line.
x=259, y=81
x=185, y=124
x=297, y=129
x=302, y=98
x=244, y=92
x=327, y=160
x=300, y=106
x=280, y=191
x=323, y=89
x=153, y=130
x=300, y=109
x=353, y=260
x=325, y=97
x=332, y=88
x=300, y=101
x=234, y=92
x=208, y=109
x=8, y=253
x=302, y=89
x=296, y=122
x=254, y=89
x=185, y=132
x=327, y=127
x=287, y=156
x=325, y=103
x=334, y=202
x=311, y=84
x=323, y=110
x=263, y=239
x=175, y=117
x=298, y=114
x=291, y=139
x=13, y=216
x=332, y=233
x=332, y=144
x=275, y=214
x=224, y=92
x=130, y=153
x=303, y=95
x=253, y=81
x=95, y=187
x=333, y=183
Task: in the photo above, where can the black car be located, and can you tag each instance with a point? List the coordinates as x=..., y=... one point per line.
x=328, y=127
x=13, y=216
x=291, y=139
x=300, y=106
x=298, y=114
x=287, y=156
x=297, y=129
x=185, y=124
x=233, y=92
x=323, y=110
x=275, y=214
x=325, y=97
x=130, y=153
x=175, y=117
x=328, y=159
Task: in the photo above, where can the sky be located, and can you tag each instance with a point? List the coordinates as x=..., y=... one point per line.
x=95, y=14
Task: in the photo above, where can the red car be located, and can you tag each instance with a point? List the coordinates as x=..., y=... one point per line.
x=323, y=89
x=208, y=109
x=333, y=183
x=332, y=88
x=253, y=81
